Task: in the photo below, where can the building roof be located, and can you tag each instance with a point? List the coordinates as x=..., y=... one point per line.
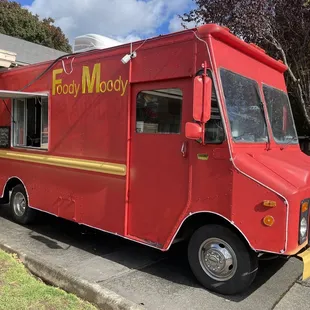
x=28, y=52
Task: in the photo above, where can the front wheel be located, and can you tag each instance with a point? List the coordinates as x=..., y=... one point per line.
x=221, y=261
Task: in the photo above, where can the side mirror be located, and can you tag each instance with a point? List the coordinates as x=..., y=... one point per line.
x=202, y=99
x=193, y=131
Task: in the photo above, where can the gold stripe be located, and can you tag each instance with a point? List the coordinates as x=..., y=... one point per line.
x=74, y=163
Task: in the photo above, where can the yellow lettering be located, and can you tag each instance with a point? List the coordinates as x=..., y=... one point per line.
x=71, y=88
x=59, y=89
x=124, y=86
x=76, y=88
x=55, y=81
x=117, y=84
x=65, y=89
x=105, y=87
x=110, y=86
x=89, y=82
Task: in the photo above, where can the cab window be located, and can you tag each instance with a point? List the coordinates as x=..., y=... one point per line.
x=214, y=130
x=159, y=111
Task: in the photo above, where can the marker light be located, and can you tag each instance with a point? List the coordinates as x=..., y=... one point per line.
x=269, y=203
x=304, y=206
x=268, y=220
x=303, y=221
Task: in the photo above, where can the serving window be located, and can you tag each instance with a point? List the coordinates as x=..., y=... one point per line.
x=30, y=122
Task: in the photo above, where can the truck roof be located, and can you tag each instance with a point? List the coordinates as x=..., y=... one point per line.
x=218, y=32
x=223, y=34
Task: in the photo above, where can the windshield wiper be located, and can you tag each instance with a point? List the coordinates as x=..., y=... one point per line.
x=288, y=142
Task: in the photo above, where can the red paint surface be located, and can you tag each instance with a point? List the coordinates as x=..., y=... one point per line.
x=163, y=186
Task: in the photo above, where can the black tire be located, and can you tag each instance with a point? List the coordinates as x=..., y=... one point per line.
x=28, y=215
x=245, y=268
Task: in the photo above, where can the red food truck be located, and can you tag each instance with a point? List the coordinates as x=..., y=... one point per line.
x=187, y=136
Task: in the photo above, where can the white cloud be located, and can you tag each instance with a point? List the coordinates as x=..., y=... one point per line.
x=175, y=24
x=123, y=20
x=127, y=39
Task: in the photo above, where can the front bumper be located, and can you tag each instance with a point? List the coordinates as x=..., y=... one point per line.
x=305, y=256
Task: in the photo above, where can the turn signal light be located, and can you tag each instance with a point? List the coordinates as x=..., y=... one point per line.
x=304, y=206
x=269, y=203
x=268, y=220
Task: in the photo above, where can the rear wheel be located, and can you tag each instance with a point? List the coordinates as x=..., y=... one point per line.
x=20, y=210
x=221, y=261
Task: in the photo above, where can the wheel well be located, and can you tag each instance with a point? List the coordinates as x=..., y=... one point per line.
x=8, y=188
x=198, y=220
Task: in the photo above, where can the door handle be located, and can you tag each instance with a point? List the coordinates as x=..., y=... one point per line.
x=184, y=149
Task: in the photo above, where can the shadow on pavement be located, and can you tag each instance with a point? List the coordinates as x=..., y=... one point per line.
x=171, y=266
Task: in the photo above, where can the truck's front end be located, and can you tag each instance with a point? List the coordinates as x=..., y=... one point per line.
x=270, y=182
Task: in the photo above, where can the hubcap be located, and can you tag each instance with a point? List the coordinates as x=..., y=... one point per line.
x=19, y=204
x=218, y=259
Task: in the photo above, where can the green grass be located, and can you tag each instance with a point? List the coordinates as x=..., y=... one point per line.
x=19, y=290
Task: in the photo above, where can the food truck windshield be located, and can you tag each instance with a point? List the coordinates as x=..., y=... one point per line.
x=246, y=114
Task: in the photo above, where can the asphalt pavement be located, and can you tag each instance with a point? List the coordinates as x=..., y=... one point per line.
x=145, y=276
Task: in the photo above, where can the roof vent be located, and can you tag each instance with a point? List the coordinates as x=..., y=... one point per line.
x=7, y=58
x=89, y=42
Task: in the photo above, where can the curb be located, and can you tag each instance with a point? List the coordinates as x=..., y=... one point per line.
x=59, y=277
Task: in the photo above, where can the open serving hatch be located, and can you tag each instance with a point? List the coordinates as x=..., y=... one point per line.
x=10, y=94
x=29, y=114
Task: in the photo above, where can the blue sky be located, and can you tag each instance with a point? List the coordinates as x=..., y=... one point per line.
x=25, y=2
x=135, y=19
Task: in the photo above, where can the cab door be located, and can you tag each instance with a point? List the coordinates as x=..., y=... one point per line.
x=159, y=167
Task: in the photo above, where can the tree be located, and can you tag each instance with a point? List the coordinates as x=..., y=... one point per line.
x=282, y=27
x=20, y=23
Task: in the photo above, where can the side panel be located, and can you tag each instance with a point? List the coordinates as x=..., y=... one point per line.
x=172, y=61
x=249, y=212
x=87, y=120
x=85, y=124
x=86, y=197
x=211, y=179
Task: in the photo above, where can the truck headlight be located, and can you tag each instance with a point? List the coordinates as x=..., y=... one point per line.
x=303, y=228
x=303, y=223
